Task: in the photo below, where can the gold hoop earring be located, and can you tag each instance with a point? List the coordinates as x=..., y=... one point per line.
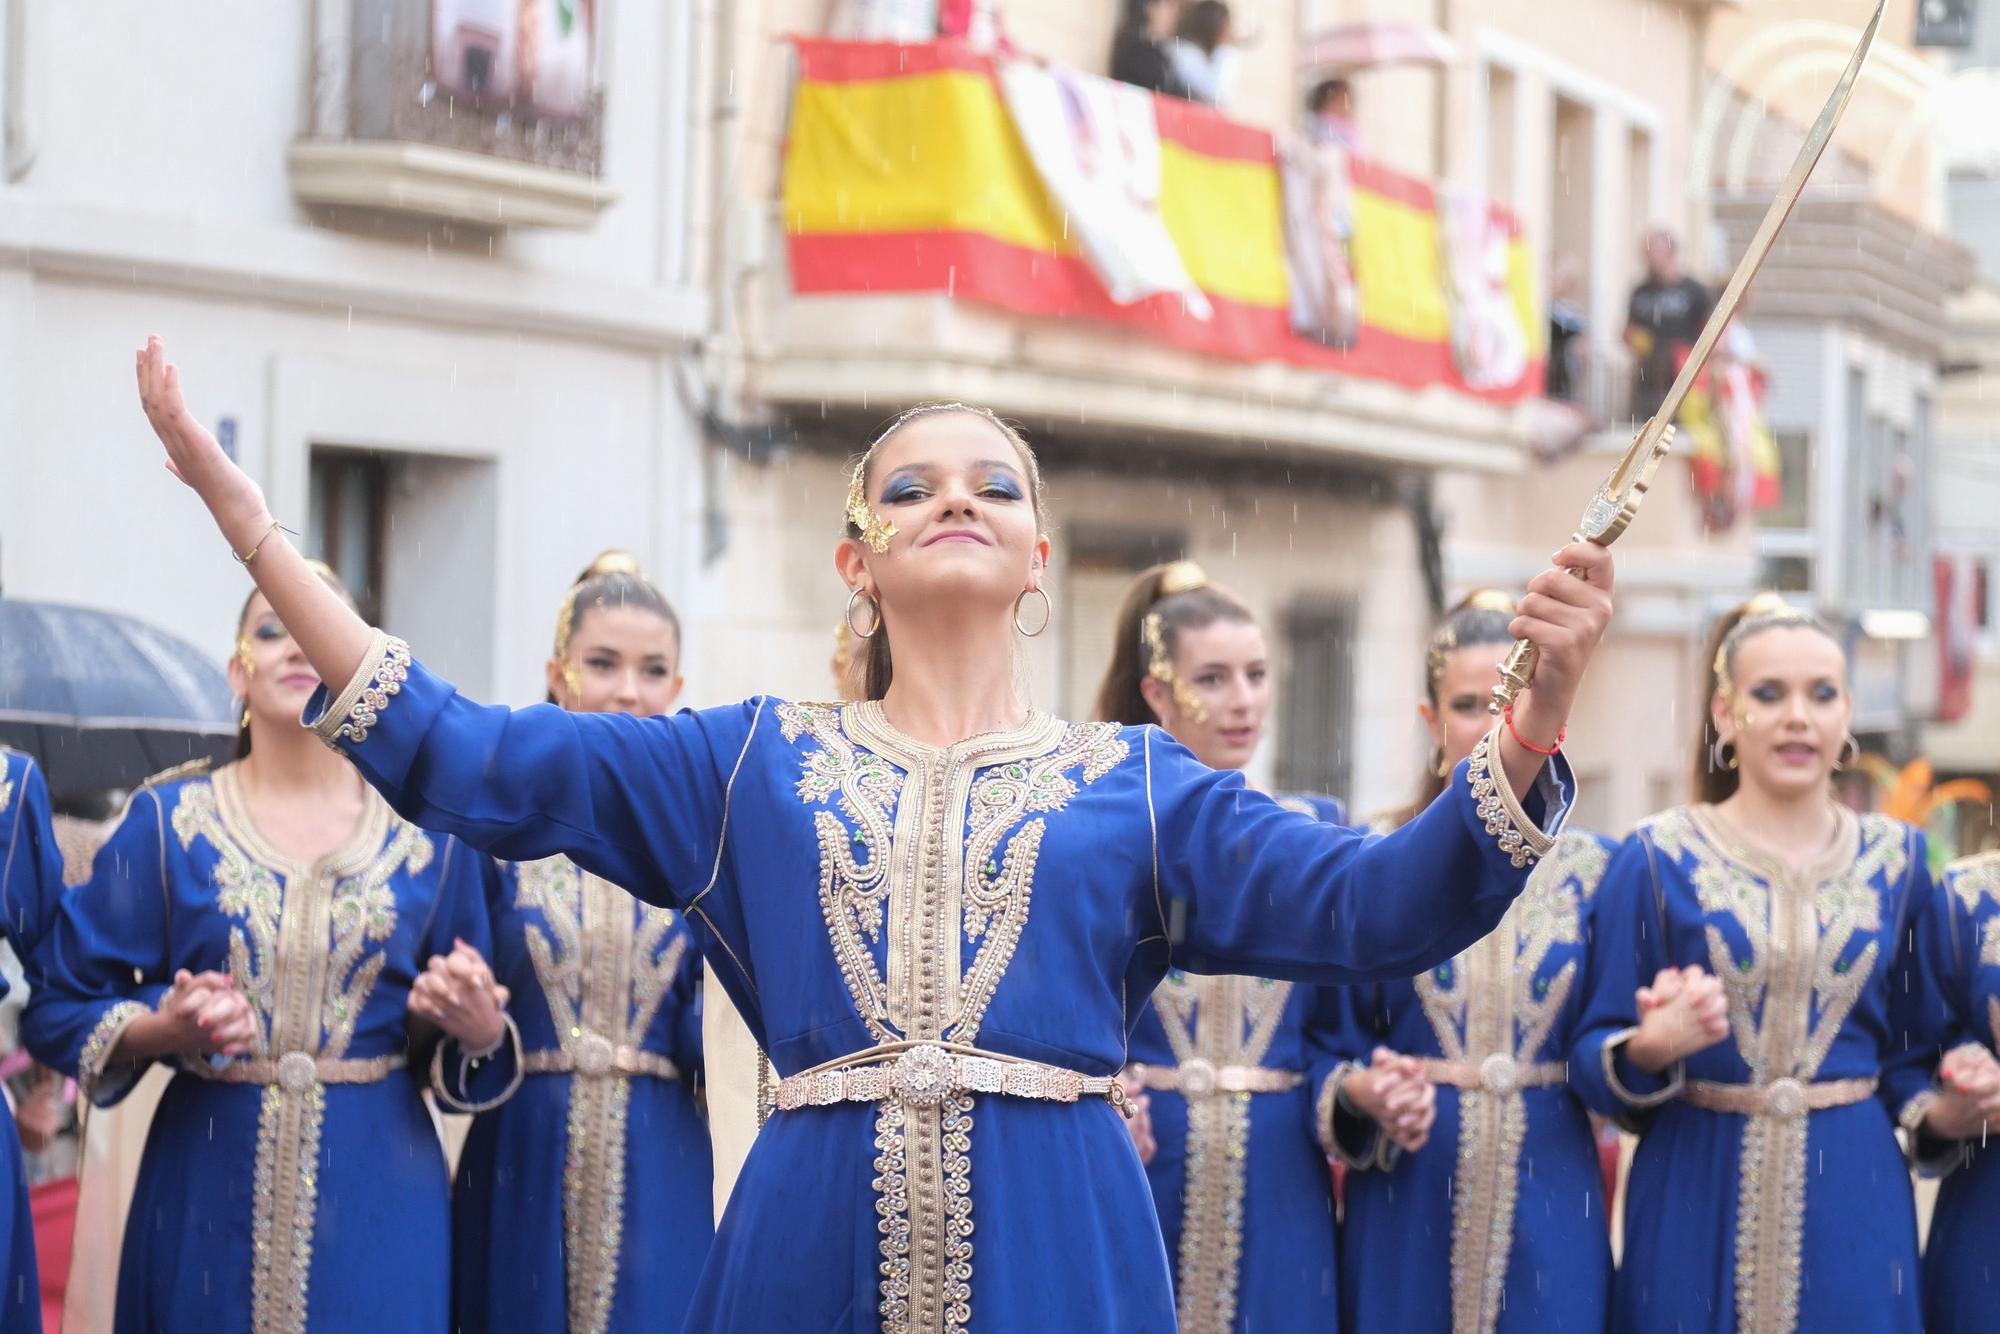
x=1717, y=757
x=1439, y=765
x=1048, y=612
x=1841, y=763
x=873, y=605
x=243, y=721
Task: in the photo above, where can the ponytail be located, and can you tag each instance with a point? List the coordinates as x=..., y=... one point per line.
x=1161, y=603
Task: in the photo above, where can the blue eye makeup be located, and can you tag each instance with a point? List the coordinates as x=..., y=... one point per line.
x=270, y=631
x=1769, y=692
x=1002, y=487
x=901, y=489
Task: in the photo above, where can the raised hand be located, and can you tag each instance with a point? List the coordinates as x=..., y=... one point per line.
x=1564, y=613
x=1394, y=1092
x=194, y=456
x=1969, y=1079
x=1684, y=1011
x=456, y=992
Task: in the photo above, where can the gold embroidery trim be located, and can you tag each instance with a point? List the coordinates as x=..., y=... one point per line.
x=359, y=706
x=1493, y=797
x=905, y=880
x=103, y=1040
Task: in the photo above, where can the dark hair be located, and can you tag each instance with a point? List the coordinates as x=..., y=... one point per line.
x=612, y=580
x=1203, y=24
x=878, y=666
x=327, y=577
x=1325, y=91
x=1767, y=611
x=1181, y=596
x=1480, y=617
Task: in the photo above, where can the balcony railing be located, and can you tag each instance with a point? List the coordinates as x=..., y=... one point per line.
x=475, y=111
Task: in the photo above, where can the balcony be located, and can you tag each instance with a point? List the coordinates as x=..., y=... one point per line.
x=951, y=227
x=466, y=111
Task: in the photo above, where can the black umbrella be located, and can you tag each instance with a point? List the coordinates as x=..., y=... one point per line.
x=104, y=701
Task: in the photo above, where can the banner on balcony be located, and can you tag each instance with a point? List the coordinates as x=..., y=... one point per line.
x=1733, y=459
x=906, y=171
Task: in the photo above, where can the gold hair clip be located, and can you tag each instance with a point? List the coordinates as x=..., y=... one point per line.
x=1182, y=576
x=245, y=658
x=1160, y=666
x=875, y=530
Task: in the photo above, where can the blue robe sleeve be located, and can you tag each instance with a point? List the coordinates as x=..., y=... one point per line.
x=103, y=961
x=31, y=882
x=1626, y=950
x=1339, y=1040
x=641, y=802
x=1930, y=990
x=471, y=889
x=1246, y=886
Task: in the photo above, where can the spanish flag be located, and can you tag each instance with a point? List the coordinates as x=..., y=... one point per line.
x=905, y=173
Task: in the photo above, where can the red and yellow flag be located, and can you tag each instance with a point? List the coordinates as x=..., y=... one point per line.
x=904, y=173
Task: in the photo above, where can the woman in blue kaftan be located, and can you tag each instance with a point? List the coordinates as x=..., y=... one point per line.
x=292, y=1180
x=581, y=1201
x=30, y=884
x=936, y=909
x=1768, y=1192
x=1243, y=1191
x=1497, y=1222
x=1961, y=961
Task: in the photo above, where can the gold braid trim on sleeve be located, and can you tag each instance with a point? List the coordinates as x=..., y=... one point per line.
x=1333, y=1100
x=103, y=1040
x=466, y=1060
x=1519, y=837
x=384, y=668
x=1625, y=1095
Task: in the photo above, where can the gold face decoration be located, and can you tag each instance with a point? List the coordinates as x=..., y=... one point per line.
x=245, y=657
x=875, y=530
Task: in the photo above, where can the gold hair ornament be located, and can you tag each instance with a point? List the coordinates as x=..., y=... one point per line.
x=1445, y=641
x=1160, y=666
x=875, y=530
x=1768, y=610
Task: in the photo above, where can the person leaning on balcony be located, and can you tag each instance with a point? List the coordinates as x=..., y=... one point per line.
x=1204, y=52
x=287, y=945
x=937, y=907
x=1330, y=116
x=1139, y=48
x=1662, y=321
x=1505, y=1188
x=1226, y=1063
x=1757, y=1012
x=582, y=1200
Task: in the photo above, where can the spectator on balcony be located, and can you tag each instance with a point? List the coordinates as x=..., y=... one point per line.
x=1665, y=317
x=1330, y=116
x=1139, y=51
x=1568, y=347
x=1204, y=52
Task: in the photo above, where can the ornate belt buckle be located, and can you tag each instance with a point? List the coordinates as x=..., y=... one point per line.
x=1198, y=1078
x=922, y=1076
x=297, y=1071
x=592, y=1053
x=1785, y=1097
x=1499, y=1073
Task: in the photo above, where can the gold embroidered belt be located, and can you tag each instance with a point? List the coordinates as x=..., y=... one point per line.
x=1783, y=1098
x=1200, y=1079
x=297, y=1071
x=924, y=1074
x=595, y=1055
x=1498, y=1073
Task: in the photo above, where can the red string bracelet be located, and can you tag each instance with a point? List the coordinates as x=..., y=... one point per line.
x=1529, y=745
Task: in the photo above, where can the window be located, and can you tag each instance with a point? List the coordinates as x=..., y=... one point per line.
x=1795, y=482
x=1316, y=727
x=349, y=505
x=1787, y=574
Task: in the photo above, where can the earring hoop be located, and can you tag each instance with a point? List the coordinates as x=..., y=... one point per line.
x=873, y=606
x=1438, y=765
x=1048, y=612
x=1841, y=763
x=1717, y=757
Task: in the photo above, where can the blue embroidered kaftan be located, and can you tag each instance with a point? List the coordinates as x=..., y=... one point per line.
x=582, y=1200
x=30, y=885
x=1798, y=1217
x=301, y=1189
x=1498, y=1222
x=1023, y=890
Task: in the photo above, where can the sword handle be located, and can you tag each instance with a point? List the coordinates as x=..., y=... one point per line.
x=1517, y=671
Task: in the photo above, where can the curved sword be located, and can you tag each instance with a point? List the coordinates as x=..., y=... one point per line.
x=1617, y=499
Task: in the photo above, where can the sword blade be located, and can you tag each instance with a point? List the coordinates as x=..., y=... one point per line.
x=1794, y=185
